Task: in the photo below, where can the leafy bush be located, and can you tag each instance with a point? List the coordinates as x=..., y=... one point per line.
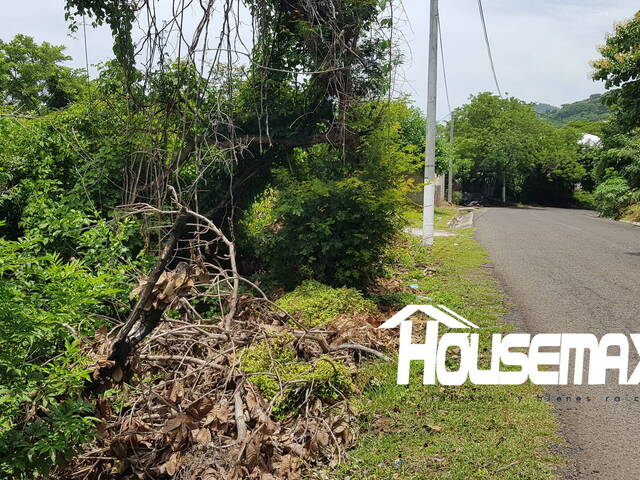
x=584, y=199
x=318, y=304
x=258, y=224
x=330, y=212
x=611, y=196
x=333, y=231
x=276, y=355
x=74, y=232
x=45, y=308
x=42, y=166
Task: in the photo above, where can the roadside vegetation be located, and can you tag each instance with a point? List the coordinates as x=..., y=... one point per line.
x=614, y=164
x=424, y=432
x=501, y=143
x=197, y=247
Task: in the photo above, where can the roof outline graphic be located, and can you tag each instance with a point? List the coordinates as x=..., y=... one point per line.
x=441, y=314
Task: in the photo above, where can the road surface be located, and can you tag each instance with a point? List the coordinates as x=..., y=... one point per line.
x=568, y=271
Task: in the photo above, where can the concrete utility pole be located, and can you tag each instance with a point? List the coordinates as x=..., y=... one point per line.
x=450, y=183
x=430, y=150
x=504, y=185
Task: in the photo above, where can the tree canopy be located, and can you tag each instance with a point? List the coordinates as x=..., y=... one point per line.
x=33, y=76
x=619, y=68
x=504, y=140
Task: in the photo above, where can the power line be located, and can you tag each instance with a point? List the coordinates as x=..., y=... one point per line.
x=486, y=39
x=446, y=90
x=86, y=50
x=444, y=71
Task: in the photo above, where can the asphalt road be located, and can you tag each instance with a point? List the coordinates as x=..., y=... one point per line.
x=568, y=271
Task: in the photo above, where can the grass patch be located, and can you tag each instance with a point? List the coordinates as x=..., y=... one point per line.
x=455, y=432
x=317, y=304
x=283, y=378
x=443, y=215
x=632, y=213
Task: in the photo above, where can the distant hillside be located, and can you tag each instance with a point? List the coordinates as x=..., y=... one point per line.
x=543, y=108
x=588, y=110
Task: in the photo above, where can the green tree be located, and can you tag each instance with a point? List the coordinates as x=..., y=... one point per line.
x=33, y=77
x=616, y=169
x=46, y=308
x=621, y=154
x=619, y=68
x=505, y=141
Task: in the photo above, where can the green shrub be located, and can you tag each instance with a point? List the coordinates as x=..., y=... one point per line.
x=456, y=197
x=41, y=161
x=611, y=196
x=332, y=211
x=584, y=199
x=257, y=226
x=46, y=306
x=317, y=304
x=281, y=377
x=332, y=231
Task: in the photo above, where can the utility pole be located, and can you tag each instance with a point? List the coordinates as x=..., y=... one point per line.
x=504, y=187
x=430, y=150
x=450, y=180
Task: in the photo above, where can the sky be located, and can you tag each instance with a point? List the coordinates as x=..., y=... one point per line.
x=541, y=48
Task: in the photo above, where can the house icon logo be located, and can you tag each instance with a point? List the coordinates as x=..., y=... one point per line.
x=567, y=351
x=440, y=314
x=429, y=351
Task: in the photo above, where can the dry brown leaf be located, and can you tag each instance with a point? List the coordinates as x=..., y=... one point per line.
x=252, y=451
x=218, y=416
x=200, y=408
x=322, y=437
x=176, y=422
x=201, y=435
x=384, y=425
x=143, y=440
x=211, y=474
x=177, y=392
x=172, y=465
x=287, y=467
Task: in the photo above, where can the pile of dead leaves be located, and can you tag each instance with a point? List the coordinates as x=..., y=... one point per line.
x=184, y=409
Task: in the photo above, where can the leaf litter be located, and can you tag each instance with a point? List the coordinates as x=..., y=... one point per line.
x=183, y=408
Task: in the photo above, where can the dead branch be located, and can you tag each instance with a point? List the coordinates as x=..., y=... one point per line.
x=362, y=348
x=142, y=319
